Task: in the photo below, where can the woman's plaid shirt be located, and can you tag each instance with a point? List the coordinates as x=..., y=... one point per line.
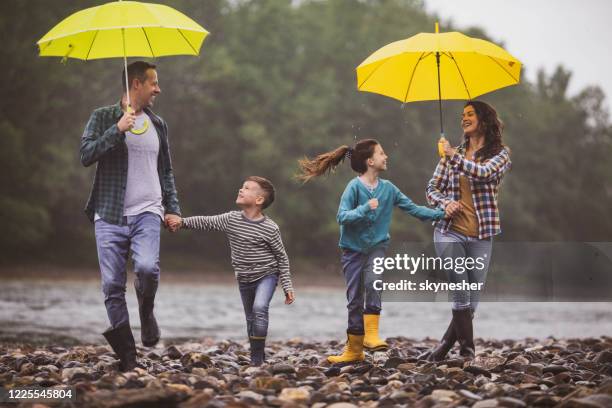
x=485, y=179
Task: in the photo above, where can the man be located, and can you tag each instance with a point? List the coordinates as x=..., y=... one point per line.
x=133, y=192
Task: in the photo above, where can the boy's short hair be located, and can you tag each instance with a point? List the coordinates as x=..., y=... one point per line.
x=267, y=187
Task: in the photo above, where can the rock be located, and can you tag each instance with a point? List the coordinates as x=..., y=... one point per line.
x=393, y=362
x=476, y=370
x=194, y=359
x=444, y=395
x=173, y=353
x=489, y=363
x=469, y=395
x=340, y=405
x=406, y=367
x=604, y=357
x=555, y=369
x=69, y=373
x=592, y=401
x=509, y=402
x=282, y=369
x=488, y=403
x=250, y=396
x=300, y=394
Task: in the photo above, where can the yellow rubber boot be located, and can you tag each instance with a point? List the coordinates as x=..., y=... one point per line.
x=371, y=340
x=353, y=351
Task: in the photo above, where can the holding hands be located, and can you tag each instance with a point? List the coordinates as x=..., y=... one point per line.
x=452, y=208
x=173, y=222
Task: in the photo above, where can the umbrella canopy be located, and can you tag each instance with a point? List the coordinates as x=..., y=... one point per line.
x=124, y=29
x=407, y=70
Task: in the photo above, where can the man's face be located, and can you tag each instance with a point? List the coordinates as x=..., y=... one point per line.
x=147, y=91
x=250, y=194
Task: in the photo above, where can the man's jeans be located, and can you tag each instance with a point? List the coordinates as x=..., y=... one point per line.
x=455, y=245
x=358, y=272
x=256, y=297
x=140, y=234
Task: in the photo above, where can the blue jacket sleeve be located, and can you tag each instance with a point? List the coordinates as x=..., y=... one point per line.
x=419, y=211
x=347, y=214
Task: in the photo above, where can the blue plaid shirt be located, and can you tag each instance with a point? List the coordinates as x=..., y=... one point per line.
x=485, y=179
x=102, y=143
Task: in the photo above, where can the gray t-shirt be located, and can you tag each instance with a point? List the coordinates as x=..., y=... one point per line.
x=143, y=191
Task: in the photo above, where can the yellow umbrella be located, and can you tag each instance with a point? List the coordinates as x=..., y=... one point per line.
x=123, y=29
x=437, y=66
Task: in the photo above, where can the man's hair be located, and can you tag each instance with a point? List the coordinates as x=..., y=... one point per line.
x=136, y=70
x=267, y=187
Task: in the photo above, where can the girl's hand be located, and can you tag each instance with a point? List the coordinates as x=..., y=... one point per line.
x=448, y=150
x=373, y=203
x=452, y=208
x=289, y=298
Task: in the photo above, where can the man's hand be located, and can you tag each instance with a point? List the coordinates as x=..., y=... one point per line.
x=289, y=298
x=448, y=150
x=452, y=208
x=126, y=122
x=173, y=222
x=373, y=203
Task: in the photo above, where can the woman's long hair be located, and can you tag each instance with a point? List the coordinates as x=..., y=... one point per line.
x=490, y=126
x=327, y=162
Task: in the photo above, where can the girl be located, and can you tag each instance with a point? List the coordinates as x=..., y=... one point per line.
x=466, y=183
x=364, y=216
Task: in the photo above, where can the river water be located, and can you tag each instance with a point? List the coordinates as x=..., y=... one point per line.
x=69, y=312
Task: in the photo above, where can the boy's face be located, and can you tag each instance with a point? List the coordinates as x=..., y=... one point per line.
x=379, y=159
x=250, y=195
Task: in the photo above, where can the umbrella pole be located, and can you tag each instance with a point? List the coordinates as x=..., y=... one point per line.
x=442, y=139
x=127, y=85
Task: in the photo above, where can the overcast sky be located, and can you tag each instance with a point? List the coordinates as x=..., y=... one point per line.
x=544, y=33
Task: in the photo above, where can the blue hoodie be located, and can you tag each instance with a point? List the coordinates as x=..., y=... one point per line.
x=361, y=228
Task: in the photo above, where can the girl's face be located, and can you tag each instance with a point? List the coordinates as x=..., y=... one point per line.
x=469, y=120
x=378, y=161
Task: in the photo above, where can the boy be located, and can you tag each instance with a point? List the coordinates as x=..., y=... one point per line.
x=258, y=256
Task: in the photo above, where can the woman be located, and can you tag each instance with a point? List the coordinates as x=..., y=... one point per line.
x=466, y=183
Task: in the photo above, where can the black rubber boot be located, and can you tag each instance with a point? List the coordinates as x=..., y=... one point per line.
x=149, y=330
x=122, y=343
x=257, y=351
x=447, y=342
x=462, y=320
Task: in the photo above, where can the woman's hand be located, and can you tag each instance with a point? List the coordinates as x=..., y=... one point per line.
x=452, y=208
x=289, y=298
x=373, y=203
x=448, y=150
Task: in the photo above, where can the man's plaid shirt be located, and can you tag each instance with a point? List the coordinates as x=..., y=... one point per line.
x=104, y=144
x=485, y=179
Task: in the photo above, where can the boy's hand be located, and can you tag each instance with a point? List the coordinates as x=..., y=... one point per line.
x=173, y=222
x=289, y=298
x=373, y=203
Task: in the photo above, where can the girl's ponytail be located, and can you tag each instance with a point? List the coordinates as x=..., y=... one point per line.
x=323, y=163
x=327, y=162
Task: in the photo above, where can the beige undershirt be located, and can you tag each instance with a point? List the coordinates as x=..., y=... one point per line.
x=466, y=221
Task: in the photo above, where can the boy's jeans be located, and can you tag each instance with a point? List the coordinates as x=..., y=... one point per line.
x=358, y=272
x=256, y=297
x=140, y=234
x=456, y=245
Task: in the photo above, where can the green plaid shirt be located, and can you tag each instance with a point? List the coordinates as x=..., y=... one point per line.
x=104, y=144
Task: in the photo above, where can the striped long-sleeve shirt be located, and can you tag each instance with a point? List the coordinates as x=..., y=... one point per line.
x=256, y=247
x=485, y=179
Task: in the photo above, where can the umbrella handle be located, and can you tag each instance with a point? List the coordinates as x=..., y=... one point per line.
x=441, y=146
